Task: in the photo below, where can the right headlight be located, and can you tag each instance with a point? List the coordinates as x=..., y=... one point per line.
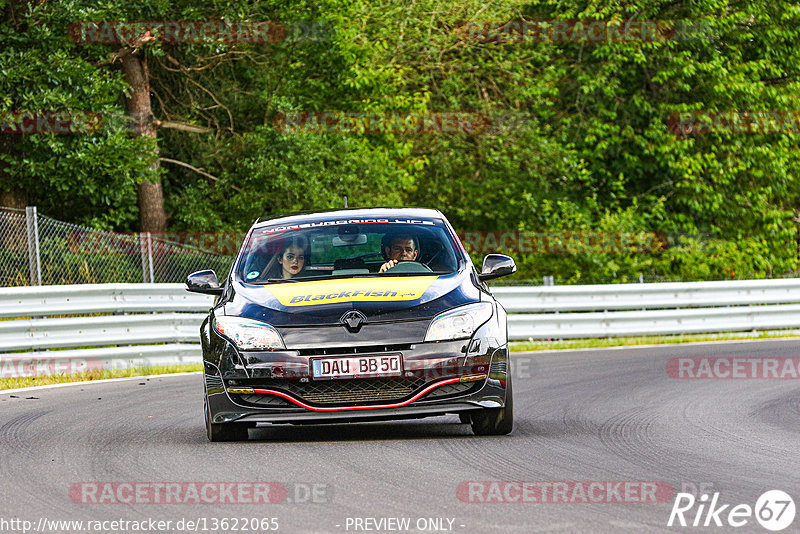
x=459, y=322
x=248, y=334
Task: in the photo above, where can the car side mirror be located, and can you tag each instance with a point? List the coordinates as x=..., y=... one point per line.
x=203, y=282
x=497, y=265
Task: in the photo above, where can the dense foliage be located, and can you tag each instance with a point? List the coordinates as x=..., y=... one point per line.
x=580, y=140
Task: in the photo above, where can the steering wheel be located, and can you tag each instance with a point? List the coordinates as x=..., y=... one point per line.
x=409, y=267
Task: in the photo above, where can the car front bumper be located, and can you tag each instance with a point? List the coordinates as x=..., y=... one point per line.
x=276, y=387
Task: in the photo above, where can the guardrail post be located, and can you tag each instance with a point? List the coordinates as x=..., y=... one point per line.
x=143, y=256
x=34, y=259
x=547, y=281
x=150, y=255
x=146, y=247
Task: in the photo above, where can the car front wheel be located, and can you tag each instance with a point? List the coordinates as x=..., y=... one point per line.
x=495, y=421
x=224, y=432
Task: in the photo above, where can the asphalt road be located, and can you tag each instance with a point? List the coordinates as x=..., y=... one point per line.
x=598, y=415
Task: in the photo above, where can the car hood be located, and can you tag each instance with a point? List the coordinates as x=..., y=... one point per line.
x=379, y=298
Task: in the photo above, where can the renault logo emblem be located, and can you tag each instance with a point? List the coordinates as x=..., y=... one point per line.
x=353, y=320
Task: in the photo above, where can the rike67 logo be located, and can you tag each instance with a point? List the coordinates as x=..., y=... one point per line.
x=774, y=510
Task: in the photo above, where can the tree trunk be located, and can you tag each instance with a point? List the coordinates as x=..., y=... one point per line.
x=13, y=232
x=152, y=217
x=15, y=198
x=13, y=229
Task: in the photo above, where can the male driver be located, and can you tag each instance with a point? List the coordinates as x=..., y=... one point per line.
x=397, y=248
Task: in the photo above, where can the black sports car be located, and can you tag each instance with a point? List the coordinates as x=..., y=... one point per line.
x=354, y=315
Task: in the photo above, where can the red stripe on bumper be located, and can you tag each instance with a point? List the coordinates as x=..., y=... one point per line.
x=374, y=407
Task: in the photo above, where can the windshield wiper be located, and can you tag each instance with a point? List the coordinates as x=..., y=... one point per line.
x=340, y=276
x=337, y=276
x=423, y=273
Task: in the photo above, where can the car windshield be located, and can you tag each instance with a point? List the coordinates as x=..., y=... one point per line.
x=329, y=248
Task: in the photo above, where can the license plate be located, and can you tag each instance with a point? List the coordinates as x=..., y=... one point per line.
x=357, y=367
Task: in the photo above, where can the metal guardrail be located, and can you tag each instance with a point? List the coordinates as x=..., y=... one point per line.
x=109, y=326
x=561, y=312
x=71, y=332
x=652, y=322
x=124, y=325
x=647, y=296
x=84, y=299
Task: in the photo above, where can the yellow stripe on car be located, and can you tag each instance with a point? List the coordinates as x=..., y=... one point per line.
x=380, y=289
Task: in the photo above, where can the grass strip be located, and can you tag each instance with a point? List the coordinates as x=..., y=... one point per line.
x=95, y=374
x=597, y=343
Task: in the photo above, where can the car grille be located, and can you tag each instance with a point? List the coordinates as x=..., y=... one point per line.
x=346, y=391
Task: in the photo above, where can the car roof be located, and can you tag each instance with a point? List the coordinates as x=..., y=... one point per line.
x=353, y=212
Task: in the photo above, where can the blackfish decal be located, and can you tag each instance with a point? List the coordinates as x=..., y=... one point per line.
x=383, y=289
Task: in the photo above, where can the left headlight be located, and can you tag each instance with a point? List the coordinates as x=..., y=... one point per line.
x=460, y=322
x=248, y=334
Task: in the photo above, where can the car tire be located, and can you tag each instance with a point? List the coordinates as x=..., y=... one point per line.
x=495, y=421
x=464, y=418
x=224, y=432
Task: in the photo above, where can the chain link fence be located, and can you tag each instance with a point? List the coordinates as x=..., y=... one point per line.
x=14, y=260
x=38, y=250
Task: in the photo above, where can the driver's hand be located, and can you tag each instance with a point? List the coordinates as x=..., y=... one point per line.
x=388, y=265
